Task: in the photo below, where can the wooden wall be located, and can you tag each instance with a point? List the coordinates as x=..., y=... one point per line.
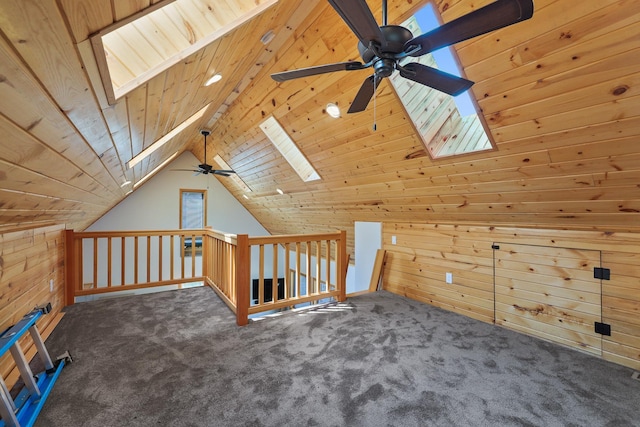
x=417, y=264
x=29, y=260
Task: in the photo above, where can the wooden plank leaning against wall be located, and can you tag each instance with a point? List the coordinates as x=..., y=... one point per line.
x=29, y=260
x=416, y=266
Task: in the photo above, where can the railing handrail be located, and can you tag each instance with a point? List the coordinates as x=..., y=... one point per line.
x=139, y=233
x=292, y=238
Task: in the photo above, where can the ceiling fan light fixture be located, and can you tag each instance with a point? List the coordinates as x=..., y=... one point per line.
x=267, y=37
x=333, y=110
x=213, y=79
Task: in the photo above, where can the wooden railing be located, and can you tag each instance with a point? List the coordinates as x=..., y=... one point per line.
x=250, y=274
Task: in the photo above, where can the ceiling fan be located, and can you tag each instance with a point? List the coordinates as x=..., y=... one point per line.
x=382, y=47
x=205, y=168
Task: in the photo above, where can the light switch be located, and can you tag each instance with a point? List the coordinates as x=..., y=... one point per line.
x=449, y=277
x=393, y=240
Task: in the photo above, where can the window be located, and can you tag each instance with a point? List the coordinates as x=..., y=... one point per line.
x=193, y=214
x=289, y=150
x=193, y=208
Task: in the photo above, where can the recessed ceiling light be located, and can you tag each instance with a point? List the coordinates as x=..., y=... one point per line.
x=245, y=196
x=333, y=110
x=124, y=184
x=279, y=191
x=267, y=37
x=215, y=78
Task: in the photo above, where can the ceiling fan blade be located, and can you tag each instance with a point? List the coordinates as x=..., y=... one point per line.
x=437, y=79
x=357, y=15
x=494, y=16
x=364, y=95
x=223, y=171
x=320, y=69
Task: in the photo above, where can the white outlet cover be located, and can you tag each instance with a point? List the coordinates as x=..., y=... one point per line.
x=393, y=240
x=449, y=277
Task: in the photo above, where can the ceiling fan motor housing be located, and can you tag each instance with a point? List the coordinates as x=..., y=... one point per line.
x=395, y=35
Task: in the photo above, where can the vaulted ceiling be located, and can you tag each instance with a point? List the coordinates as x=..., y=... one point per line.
x=557, y=94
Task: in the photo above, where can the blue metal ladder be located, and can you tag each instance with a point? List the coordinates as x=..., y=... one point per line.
x=24, y=409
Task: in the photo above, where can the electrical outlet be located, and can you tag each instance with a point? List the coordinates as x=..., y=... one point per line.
x=393, y=240
x=449, y=277
x=50, y=285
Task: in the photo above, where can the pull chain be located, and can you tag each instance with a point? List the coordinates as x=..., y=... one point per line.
x=375, y=86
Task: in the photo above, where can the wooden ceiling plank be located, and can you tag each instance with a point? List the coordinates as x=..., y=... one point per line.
x=612, y=91
x=28, y=106
x=593, y=63
x=136, y=107
x=85, y=18
x=123, y=62
x=597, y=114
x=137, y=46
x=38, y=157
x=153, y=110
x=125, y=8
x=550, y=51
x=24, y=180
x=196, y=23
x=287, y=17
x=34, y=203
x=167, y=38
x=56, y=64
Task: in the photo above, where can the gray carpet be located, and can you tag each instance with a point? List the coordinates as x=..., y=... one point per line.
x=177, y=359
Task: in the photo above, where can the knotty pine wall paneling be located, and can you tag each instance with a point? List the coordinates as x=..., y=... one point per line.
x=417, y=264
x=29, y=260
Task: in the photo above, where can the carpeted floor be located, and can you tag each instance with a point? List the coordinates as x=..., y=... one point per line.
x=177, y=359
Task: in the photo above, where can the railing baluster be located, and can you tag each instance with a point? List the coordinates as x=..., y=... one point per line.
x=288, y=290
x=261, y=276
x=310, y=286
x=148, y=256
x=274, y=280
x=298, y=269
x=318, y=267
x=193, y=255
x=328, y=265
x=95, y=262
x=172, y=248
x=160, y=275
x=135, y=260
x=182, y=254
x=122, y=261
x=341, y=261
x=243, y=277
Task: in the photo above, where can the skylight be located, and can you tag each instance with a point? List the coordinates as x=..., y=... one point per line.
x=447, y=125
x=289, y=150
x=132, y=51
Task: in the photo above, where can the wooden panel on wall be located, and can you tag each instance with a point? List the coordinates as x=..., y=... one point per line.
x=29, y=260
x=417, y=265
x=549, y=293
